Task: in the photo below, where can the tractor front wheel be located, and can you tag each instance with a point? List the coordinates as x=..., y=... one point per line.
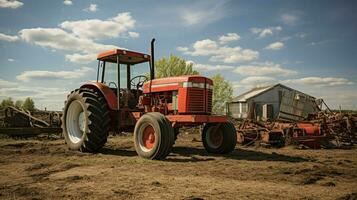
x=220, y=138
x=153, y=136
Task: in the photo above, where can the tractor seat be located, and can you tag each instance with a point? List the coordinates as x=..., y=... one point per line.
x=129, y=98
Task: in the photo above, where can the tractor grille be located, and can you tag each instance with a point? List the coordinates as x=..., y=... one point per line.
x=196, y=98
x=199, y=100
x=209, y=101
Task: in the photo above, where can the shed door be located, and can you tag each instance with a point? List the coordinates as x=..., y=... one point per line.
x=268, y=112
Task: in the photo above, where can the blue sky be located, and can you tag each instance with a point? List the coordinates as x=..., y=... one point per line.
x=49, y=47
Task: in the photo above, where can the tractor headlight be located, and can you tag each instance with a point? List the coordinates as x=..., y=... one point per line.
x=209, y=86
x=198, y=85
x=195, y=85
x=187, y=84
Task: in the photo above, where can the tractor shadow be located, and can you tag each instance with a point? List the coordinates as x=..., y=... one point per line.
x=118, y=152
x=192, y=154
x=238, y=154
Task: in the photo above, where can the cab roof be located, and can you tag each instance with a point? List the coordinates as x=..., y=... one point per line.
x=125, y=56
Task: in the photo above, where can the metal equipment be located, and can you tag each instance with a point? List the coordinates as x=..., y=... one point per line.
x=19, y=122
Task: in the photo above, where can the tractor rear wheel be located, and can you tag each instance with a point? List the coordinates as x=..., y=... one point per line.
x=220, y=138
x=85, y=120
x=153, y=136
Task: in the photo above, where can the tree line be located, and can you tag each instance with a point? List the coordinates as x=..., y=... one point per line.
x=27, y=104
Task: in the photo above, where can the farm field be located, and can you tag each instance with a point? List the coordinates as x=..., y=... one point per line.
x=43, y=168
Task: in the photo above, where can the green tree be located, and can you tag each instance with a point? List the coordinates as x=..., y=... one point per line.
x=6, y=103
x=28, y=104
x=173, y=66
x=222, y=93
x=18, y=103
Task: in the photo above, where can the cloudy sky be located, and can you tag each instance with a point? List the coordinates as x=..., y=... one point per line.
x=49, y=47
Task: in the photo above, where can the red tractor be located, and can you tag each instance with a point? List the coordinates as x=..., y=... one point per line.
x=155, y=109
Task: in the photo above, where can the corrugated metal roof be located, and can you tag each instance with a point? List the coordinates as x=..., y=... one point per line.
x=259, y=90
x=251, y=93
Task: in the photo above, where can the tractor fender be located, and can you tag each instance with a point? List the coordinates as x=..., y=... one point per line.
x=108, y=94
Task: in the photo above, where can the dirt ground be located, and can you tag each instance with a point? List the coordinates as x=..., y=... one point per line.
x=45, y=169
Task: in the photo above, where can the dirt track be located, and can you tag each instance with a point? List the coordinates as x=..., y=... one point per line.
x=44, y=169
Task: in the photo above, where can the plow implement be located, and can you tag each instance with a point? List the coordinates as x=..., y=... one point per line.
x=18, y=122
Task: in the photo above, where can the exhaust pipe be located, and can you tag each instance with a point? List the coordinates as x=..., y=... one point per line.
x=152, y=61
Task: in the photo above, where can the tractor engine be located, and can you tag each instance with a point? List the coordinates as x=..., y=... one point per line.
x=178, y=95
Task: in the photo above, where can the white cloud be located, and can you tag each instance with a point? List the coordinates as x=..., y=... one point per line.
x=67, y=2
x=289, y=19
x=344, y=97
x=27, y=76
x=204, y=48
x=183, y=49
x=37, y=92
x=202, y=13
x=229, y=37
x=257, y=81
x=91, y=8
x=59, y=39
x=234, y=55
x=101, y=29
x=319, y=42
x=263, y=32
x=13, y=4
x=49, y=97
x=7, y=84
x=81, y=35
x=319, y=81
x=207, y=67
x=11, y=60
x=8, y=38
x=264, y=69
x=275, y=46
x=133, y=34
x=81, y=58
x=218, y=53
x=301, y=35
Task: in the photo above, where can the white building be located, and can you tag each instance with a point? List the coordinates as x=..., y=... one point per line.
x=272, y=102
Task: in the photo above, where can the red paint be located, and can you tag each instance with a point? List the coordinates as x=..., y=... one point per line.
x=194, y=100
x=162, y=84
x=182, y=100
x=310, y=129
x=108, y=94
x=190, y=99
x=148, y=137
x=126, y=56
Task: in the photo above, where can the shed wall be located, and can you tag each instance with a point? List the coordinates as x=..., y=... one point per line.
x=283, y=100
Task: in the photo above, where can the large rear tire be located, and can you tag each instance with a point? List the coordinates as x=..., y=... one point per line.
x=220, y=138
x=153, y=136
x=85, y=120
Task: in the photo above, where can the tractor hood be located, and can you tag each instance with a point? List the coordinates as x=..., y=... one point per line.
x=174, y=83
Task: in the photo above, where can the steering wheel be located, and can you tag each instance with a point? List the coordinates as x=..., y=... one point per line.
x=113, y=84
x=138, y=81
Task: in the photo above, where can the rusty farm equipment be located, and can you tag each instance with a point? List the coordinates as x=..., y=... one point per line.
x=317, y=131
x=155, y=109
x=19, y=122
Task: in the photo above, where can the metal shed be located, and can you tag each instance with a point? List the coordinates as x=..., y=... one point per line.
x=273, y=102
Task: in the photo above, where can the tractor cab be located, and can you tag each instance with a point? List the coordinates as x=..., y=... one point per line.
x=123, y=71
